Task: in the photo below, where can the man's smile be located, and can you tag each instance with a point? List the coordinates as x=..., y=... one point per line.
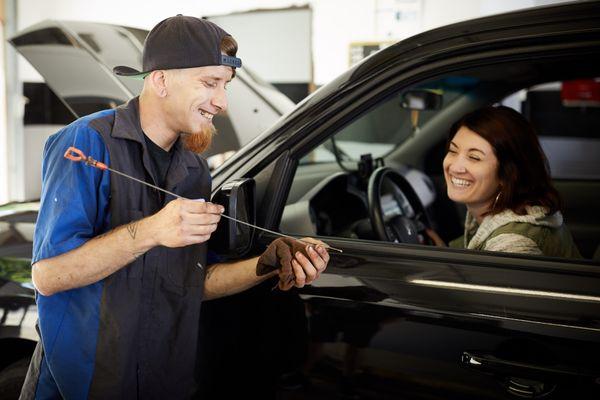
x=206, y=114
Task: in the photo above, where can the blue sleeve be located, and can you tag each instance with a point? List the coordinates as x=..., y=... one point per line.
x=74, y=204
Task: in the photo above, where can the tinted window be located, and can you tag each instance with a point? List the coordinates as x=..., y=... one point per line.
x=566, y=116
x=388, y=125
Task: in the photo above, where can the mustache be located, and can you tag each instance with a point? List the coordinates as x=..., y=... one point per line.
x=201, y=141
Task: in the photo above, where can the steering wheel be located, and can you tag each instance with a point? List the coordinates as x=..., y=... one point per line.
x=400, y=228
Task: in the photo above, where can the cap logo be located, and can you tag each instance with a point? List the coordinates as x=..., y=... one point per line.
x=231, y=61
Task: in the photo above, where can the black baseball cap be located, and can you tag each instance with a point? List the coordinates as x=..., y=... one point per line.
x=181, y=42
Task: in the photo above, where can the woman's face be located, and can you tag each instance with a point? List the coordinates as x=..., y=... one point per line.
x=471, y=170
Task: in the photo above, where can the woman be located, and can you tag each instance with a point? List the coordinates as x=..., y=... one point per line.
x=495, y=166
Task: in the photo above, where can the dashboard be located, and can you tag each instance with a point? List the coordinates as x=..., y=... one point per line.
x=337, y=205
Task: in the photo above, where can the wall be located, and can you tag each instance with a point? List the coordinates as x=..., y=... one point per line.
x=335, y=24
x=275, y=42
x=332, y=30
x=12, y=150
x=3, y=134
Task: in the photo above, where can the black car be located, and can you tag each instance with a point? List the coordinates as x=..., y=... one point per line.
x=18, y=311
x=391, y=317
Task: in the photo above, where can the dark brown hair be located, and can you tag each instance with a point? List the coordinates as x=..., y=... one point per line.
x=230, y=47
x=523, y=168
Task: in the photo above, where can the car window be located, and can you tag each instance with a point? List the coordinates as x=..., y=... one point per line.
x=566, y=115
x=386, y=126
x=328, y=197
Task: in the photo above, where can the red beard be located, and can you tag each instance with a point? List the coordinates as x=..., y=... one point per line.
x=199, y=142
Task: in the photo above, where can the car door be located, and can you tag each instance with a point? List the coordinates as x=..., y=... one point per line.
x=417, y=321
x=394, y=320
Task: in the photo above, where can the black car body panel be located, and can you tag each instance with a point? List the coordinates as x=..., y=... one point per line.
x=18, y=311
x=389, y=321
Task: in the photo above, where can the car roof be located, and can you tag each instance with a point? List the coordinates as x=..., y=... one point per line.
x=527, y=27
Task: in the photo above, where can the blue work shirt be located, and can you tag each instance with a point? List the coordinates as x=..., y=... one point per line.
x=74, y=207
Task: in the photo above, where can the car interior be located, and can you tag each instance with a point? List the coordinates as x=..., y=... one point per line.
x=334, y=192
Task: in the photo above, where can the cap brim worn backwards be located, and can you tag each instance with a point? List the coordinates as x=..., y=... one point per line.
x=129, y=72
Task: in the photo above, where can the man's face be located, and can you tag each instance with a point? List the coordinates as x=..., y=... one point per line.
x=194, y=97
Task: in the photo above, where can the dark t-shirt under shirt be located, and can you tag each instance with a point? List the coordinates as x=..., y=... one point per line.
x=161, y=160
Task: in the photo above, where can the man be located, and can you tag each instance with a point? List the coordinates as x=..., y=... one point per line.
x=121, y=268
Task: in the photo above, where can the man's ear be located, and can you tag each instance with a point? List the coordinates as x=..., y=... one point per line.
x=158, y=82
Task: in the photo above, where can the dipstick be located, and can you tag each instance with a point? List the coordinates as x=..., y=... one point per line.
x=76, y=155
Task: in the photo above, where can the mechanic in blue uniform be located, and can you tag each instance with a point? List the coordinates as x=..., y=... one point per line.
x=120, y=268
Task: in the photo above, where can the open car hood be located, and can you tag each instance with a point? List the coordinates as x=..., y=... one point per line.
x=76, y=60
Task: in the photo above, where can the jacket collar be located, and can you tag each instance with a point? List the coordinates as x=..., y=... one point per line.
x=127, y=122
x=476, y=234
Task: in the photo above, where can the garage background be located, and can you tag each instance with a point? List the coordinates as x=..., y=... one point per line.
x=297, y=46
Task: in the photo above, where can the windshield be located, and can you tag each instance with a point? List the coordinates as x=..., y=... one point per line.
x=388, y=125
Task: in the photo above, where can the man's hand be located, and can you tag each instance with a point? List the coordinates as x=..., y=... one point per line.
x=305, y=269
x=184, y=222
x=296, y=262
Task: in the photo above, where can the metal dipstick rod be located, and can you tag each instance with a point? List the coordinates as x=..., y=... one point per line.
x=74, y=154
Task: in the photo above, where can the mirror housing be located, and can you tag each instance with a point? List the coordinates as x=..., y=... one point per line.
x=231, y=239
x=422, y=100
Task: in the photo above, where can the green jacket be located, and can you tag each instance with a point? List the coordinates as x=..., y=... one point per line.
x=532, y=233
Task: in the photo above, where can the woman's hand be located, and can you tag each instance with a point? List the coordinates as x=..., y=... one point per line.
x=435, y=238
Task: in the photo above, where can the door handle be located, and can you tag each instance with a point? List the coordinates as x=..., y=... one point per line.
x=529, y=380
x=492, y=364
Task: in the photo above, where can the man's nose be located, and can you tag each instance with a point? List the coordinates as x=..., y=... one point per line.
x=219, y=99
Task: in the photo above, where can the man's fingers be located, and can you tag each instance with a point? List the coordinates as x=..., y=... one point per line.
x=323, y=253
x=196, y=230
x=183, y=222
x=201, y=207
x=313, y=241
x=300, y=276
x=200, y=219
x=308, y=269
x=295, y=263
x=196, y=233
x=195, y=239
x=317, y=261
x=320, y=245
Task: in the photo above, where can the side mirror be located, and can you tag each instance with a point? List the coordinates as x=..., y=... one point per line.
x=232, y=239
x=422, y=100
